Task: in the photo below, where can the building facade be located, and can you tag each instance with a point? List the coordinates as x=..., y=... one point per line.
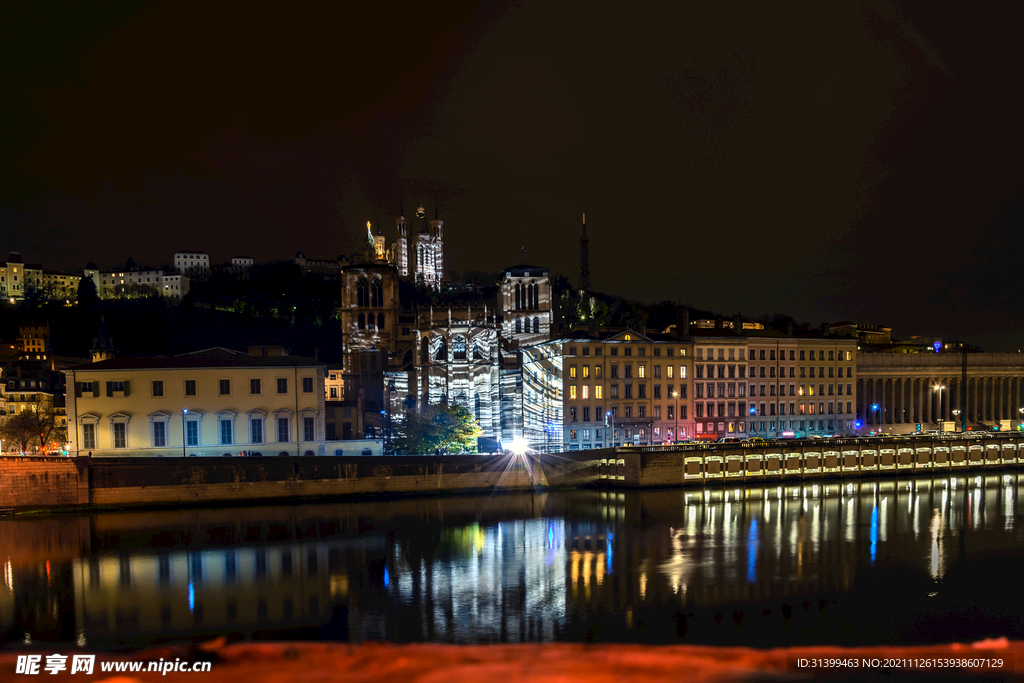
x=898, y=391
x=114, y=284
x=208, y=403
x=193, y=264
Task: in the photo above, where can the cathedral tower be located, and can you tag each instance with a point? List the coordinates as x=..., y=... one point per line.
x=402, y=245
x=584, y=259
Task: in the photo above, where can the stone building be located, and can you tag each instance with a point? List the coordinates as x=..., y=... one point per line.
x=898, y=391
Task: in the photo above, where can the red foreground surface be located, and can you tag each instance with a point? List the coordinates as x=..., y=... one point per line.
x=544, y=663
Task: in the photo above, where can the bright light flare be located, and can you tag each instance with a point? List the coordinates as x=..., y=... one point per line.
x=518, y=446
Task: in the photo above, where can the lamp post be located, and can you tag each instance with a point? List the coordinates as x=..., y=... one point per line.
x=611, y=435
x=675, y=395
x=956, y=416
x=184, y=441
x=939, y=388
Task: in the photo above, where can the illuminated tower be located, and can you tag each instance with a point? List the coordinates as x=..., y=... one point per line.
x=584, y=259
x=402, y=246
x=428, y=251
x=379, y=247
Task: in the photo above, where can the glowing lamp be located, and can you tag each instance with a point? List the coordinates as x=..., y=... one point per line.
x=518, y=446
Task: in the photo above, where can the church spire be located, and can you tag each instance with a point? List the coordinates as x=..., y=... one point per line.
x=584, y=259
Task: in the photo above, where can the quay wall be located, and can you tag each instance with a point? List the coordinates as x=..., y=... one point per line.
x=29, y=482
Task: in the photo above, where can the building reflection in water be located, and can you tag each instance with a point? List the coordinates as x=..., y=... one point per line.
x=815, y=562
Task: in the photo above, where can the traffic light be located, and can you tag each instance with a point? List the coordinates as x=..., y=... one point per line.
x=918, y=427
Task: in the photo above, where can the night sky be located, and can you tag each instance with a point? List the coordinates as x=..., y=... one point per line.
x=827, y=160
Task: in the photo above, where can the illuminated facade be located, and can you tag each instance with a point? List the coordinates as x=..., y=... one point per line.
x=457, y=361
x=194, y=264
x=773, y=385
x=211, y=402
x=526, y=304
x=16, y=277
x=113, y=284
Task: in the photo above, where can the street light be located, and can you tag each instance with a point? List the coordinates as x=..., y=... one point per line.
x=874, y=407
x=184, y=441
x=611, y=436
x=956, y=415
x=939, y=388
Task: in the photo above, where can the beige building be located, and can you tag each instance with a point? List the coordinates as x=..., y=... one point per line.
x=584, y=392
x=213, y=402
x=113, y=284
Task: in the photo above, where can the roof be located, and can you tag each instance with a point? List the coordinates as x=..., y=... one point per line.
x=14, y=257
x=523, y=269
x=207, y=358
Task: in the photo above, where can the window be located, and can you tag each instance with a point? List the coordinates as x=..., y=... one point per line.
x=308, y=428
x=572, y=434
x=627, y=412
x=120, y=434
x=629, y=370
x=641, y=411
x=192, y=433
x=598, y=372
x=255, y=429
x=572, y=372
x=586, y=413
x=598, y=392
x=190, y=387
x=641, y=371
x=307, y=385
x=668, y=372
x=803, y=354
x=459, y=348
x=586, y=370
x=225, y=428
x=615, y=370
x=283, y=429
x=158, y=388
x=159, y=434
x=657, y=391
x=615, y=391
x=629, y=391
x=572, y=414
x=628, y=351
x=585, y=389
x=641, y=390
x=225, y=388
x=255, y=387
x=572, y=392
x=88, y=436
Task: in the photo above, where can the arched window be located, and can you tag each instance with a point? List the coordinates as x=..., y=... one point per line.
x=369, y=321
x=362, y=321
x=476, y=406
x=519, y=325
x=517, y=297
x=362, y=294
x=536, y=324
x=529, y=297
x=377, y=294
x=380, y=321
x=459, y=348
x=536, y=296
x=477, y=353
x=442, y=351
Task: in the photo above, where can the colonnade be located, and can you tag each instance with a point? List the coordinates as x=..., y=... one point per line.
x=890, y=401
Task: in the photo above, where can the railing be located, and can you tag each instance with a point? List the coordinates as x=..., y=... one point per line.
x=818, y=442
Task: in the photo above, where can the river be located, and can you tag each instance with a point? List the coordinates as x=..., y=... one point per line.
x=849, y=563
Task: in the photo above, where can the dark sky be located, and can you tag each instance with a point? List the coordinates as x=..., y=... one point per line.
x=828, y=160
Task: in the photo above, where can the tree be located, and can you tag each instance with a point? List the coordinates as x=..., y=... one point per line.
x=87, y=296
x=39, y=424
x=448, y=428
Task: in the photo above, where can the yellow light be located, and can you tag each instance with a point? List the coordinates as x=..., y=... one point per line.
x=519, y=446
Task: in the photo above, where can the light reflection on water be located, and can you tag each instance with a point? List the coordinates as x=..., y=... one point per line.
x=835, y=562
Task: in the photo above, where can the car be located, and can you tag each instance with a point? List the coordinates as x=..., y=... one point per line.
x=754, y=441
x=730, y=439
x=976, y=434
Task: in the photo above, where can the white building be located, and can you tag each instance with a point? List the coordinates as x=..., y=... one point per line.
x=113, y=284
x=195, y=264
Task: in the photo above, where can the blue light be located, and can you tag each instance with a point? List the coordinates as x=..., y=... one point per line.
x=753, y=410
x=551, y=535
x=608, y=555
x=387, y=579
x=191, y=597
x=858, y=424
x=874, y=406
x=752, y=552
x=937, y=346
x=874, y=533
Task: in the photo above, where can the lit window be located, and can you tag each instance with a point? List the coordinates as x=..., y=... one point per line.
x=572, y=392
x=640, y=371
x=586, y=389
x=598, y=393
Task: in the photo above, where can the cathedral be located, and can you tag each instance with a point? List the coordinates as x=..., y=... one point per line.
x=402, y=354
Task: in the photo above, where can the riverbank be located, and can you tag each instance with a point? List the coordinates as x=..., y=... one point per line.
x=547, y=663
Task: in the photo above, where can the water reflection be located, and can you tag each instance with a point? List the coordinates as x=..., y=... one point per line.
x=837, y=562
